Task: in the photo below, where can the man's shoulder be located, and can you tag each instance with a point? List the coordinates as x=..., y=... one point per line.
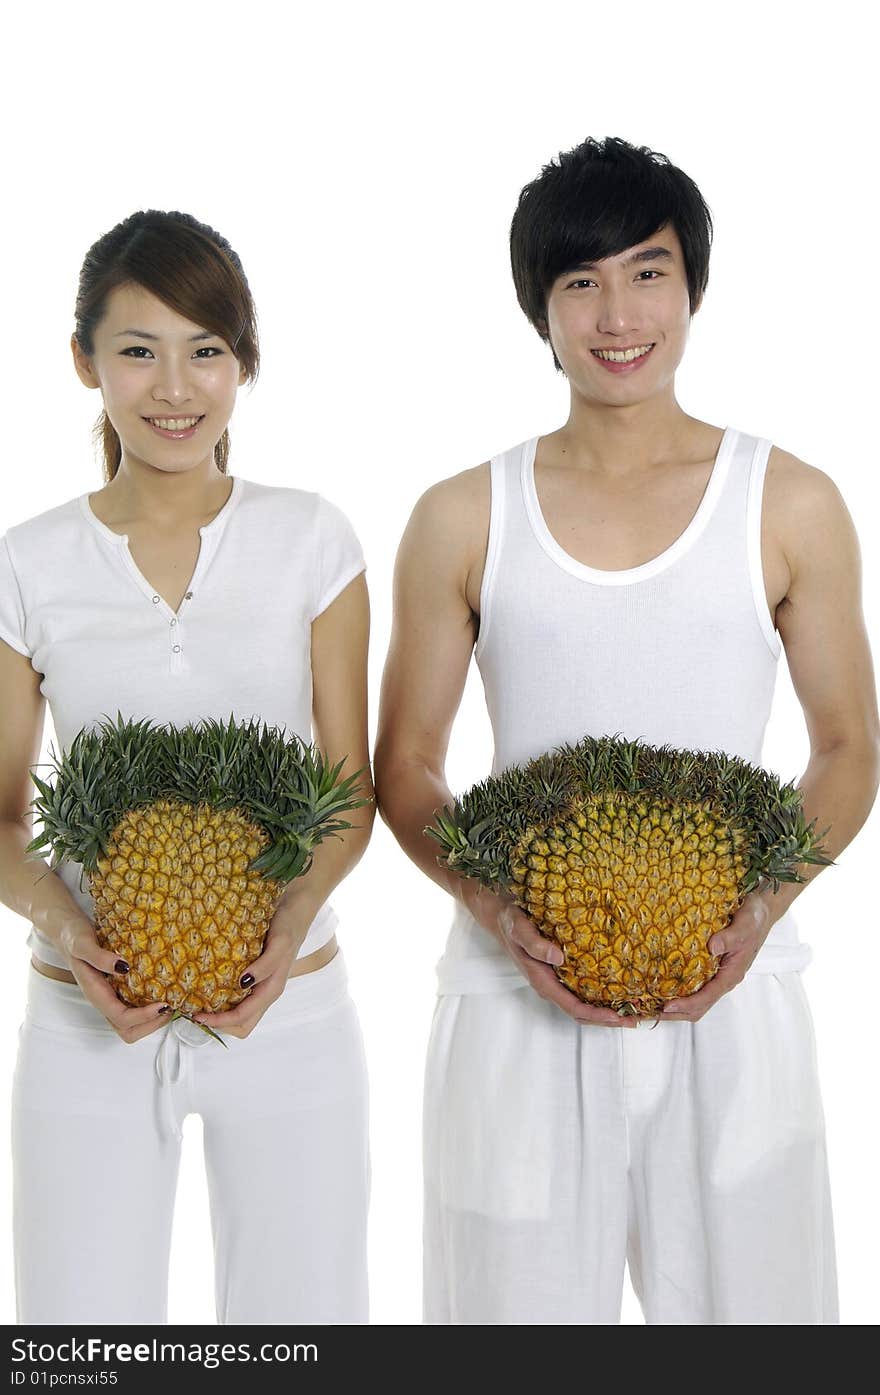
x=448, y=526
x=454, y=490
x=804, y=510
x=454, y=505
x=794, y=487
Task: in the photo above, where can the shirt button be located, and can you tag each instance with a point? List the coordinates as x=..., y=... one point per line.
x=156, y=600
x=177, y=648
x=188, y=596
x=174, y=622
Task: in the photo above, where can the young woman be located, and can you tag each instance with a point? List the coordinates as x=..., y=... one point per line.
x=178, y=592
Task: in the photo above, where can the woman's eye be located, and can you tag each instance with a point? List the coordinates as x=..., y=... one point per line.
x=141, y=351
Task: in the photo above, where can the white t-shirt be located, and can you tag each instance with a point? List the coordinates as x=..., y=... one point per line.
x=73, y=600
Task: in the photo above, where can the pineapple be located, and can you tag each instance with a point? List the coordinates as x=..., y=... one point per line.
x=188, y=837
x=630, y=857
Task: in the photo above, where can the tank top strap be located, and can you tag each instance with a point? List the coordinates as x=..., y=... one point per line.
x=757, y=473
x=744, y=463
x=509, y=526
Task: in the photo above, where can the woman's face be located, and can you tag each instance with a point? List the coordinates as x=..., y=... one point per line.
x=168, y=384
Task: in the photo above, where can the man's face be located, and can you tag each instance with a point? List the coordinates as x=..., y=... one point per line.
x=619, y=326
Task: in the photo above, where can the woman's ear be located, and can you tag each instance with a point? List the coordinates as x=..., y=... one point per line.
x=83, y=364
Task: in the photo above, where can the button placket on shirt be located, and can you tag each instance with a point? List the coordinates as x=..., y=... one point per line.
x=209, y=536
x=175, y=632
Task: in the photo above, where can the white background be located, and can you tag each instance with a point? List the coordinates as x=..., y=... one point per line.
x=365, y=162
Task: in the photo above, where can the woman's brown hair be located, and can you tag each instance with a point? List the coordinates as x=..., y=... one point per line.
x=187, y=265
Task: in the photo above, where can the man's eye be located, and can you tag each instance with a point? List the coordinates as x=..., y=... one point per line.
x=649, y=271
x=584, y=281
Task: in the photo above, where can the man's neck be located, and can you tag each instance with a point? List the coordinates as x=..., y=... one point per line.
x=609, y=440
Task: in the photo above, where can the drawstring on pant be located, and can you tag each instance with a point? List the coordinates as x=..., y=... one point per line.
x=169, y=1066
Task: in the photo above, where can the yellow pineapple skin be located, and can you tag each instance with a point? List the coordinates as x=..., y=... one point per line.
x=174, y=899
x=631, y=888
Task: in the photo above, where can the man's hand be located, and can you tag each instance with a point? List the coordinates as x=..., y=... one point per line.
x=534, y=955
x=737, y=944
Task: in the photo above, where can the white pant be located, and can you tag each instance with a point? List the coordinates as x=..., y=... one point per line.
x=96, y=1146
x=556, y=1152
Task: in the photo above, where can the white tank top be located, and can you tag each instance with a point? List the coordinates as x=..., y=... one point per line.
x=679, y=651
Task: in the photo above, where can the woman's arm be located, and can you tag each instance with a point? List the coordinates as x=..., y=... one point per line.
x=340, y=636
x=27, y=884
x=340, y=640
x=24, y=884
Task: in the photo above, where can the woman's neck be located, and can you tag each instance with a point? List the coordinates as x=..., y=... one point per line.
x=140, y=493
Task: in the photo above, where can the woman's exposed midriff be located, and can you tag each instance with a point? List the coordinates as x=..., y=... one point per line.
x=307, y=965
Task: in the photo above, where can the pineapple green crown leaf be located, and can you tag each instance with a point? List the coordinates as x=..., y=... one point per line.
x=285, y=786
x=478, y=833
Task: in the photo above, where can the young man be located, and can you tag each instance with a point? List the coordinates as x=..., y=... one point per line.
x=635, y=572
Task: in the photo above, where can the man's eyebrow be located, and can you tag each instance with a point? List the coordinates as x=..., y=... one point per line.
x=647, y=254
x=143, y=334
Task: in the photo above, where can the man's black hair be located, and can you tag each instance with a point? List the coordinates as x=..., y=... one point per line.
x=595, y=201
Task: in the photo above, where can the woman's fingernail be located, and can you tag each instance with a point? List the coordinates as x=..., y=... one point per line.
x=120, y=967
x=166, y=1008
x=246, y=980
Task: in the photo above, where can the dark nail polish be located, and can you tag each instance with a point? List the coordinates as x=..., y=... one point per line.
x=164, y=1009
x=246, y=980
x=121, y=967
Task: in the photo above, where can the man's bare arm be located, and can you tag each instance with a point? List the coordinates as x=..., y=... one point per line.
x=810, y=542
x=432, y=639
x=821, y=625
x=436, y=583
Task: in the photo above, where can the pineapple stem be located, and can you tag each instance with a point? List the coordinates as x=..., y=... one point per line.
x=188, y=1017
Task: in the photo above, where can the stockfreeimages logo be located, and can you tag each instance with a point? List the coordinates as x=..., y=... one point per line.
x=97, y=1351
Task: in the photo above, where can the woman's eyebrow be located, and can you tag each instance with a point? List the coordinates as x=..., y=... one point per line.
x=144, y=334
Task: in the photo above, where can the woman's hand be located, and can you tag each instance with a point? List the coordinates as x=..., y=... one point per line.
x=268, y=974
x=533, y=954
x=95, y=969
